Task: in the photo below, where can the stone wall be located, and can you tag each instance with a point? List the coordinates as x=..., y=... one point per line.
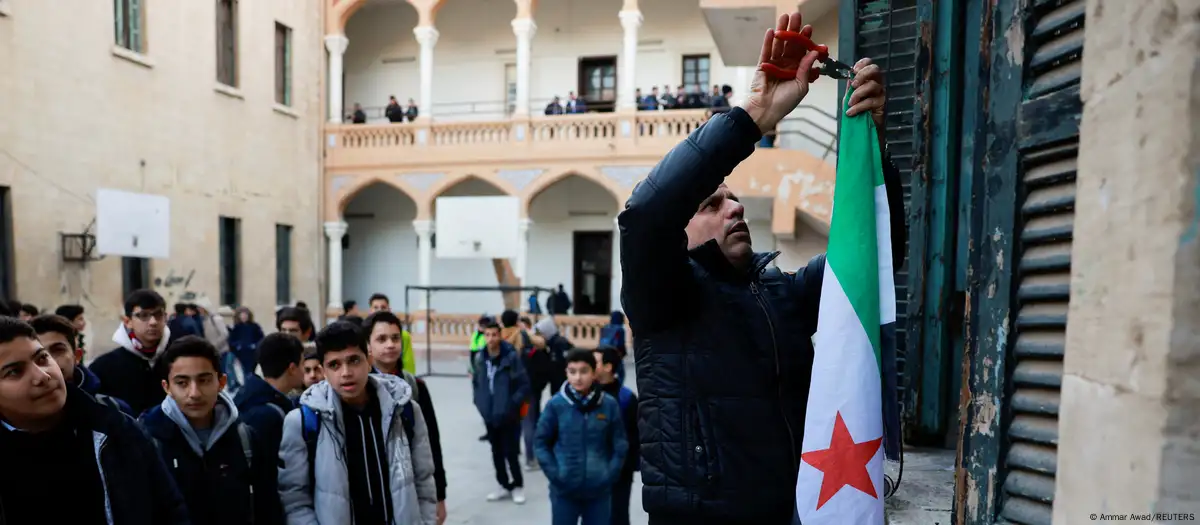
x=1130, y=418
x=77, y=113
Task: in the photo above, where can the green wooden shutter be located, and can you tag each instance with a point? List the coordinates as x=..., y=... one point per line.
x=135, y=25
x=886, y=31
x=1027, y=203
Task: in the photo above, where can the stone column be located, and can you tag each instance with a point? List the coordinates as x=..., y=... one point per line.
x=427, y=36
x=424, y=229
x=631, y=20
x=524, y=28
x=617, y=274
x=336, y=45
x=334, y=231
x=1130, y=405
x=522, y=250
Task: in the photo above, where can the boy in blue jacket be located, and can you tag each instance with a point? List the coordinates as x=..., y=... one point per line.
x=581, y=446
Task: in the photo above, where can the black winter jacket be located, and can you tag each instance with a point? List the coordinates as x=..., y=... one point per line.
x=724, y=356
x=129, y=377
x=218, y=486
x=137, y=487
x=263, y=408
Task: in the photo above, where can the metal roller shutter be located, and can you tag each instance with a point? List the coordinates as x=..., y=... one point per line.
x=1047, y=138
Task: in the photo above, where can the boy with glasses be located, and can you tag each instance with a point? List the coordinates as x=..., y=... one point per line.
x=128, y=373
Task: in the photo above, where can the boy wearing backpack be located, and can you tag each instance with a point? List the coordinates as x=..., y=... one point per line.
x=221, y=466
x=581, y=446
x=357, y=451
x=263, y=402
x=607, y=358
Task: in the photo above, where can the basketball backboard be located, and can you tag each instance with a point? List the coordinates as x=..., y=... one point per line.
x=477, y=227
x=133, y=224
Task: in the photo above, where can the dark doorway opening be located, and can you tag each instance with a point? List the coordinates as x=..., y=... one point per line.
x=593, y=273
x=598, y=82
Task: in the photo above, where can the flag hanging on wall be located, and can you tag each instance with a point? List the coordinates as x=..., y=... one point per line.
x=841, y=472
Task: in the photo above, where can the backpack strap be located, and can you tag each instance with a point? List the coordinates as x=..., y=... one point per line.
x=410, y=425
x=247, y=449
x=310, y=428
x=624, y=397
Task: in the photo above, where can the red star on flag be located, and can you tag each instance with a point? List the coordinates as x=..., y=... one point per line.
x=843, y=463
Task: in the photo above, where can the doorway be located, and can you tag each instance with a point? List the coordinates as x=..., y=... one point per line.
x=593, y=273
x=598, y=82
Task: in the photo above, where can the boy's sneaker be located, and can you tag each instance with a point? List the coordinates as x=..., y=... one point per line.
x=499, y=494
x=518, y=496
x=531, y=465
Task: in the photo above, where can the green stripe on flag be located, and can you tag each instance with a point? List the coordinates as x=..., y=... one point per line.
x=853, y=249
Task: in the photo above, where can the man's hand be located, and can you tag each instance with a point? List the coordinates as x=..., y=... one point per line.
x=441, y=512
x=771, y=99
x=869, y=94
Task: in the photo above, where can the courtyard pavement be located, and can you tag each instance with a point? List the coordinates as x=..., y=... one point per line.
x=469, y=472
x=923, y=498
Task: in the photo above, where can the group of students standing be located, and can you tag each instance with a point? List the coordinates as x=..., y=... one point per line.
x=584, y=439
x=333, y=428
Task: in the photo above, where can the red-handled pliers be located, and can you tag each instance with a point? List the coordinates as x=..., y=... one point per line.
x=830, y=67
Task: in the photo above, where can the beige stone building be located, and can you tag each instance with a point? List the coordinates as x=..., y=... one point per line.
x=215, y=105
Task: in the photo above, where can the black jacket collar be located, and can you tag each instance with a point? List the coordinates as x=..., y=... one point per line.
x=710, y=257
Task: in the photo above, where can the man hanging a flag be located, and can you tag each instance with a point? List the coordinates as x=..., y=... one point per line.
x=724, y=340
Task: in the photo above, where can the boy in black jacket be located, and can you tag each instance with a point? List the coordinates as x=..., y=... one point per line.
x=128, y=372
x=55, y=435
x=607, y=358
x=225, y=473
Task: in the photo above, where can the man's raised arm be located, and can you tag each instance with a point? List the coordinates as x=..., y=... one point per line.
x=653, y=243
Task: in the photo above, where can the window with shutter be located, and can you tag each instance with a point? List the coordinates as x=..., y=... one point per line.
x=231, y=264
x=283, y=264
x=227, y=42
x=128, y=21
x=283, y=65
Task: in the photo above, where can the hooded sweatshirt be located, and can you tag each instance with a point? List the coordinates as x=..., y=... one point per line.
x=220, y=483
x=409, y=474
x=129, y=375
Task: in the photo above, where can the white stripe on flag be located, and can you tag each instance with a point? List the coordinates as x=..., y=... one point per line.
x=887, y=280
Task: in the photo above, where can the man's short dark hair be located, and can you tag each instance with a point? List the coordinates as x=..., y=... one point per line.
x=146, y=299
x=14, y=306
x=338, y=336
x=609, y=355
x=349, y=305
x=30, y=309
x=310, y=354
x=525, y=319
x=509, y=318
x=302, y=304
x=12, y=328
x=377, y=297
x=298, y=315
x=277, y=351
x=70, y=311
x=726, y=89
x=491, y=325
x=382, y=316
x=579, y=355
x=190, y=346
x=57, y=324
x=356, y=319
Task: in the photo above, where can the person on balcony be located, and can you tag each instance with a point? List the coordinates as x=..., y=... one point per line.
x=649, y=102
x=724, y=350
x=719, y=103
x=411, y=112
x=680, y=98
x=575, y=104
x=393, y=111
x=667, y=100
x=555, y=107
x=359, y=116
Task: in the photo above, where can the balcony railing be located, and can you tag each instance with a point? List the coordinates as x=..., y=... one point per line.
x=669, y=126
x=454, y=329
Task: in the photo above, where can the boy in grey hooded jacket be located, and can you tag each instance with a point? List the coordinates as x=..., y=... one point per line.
x=365, y=468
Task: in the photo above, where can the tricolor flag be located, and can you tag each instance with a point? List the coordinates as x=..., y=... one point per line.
x=841, y=470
